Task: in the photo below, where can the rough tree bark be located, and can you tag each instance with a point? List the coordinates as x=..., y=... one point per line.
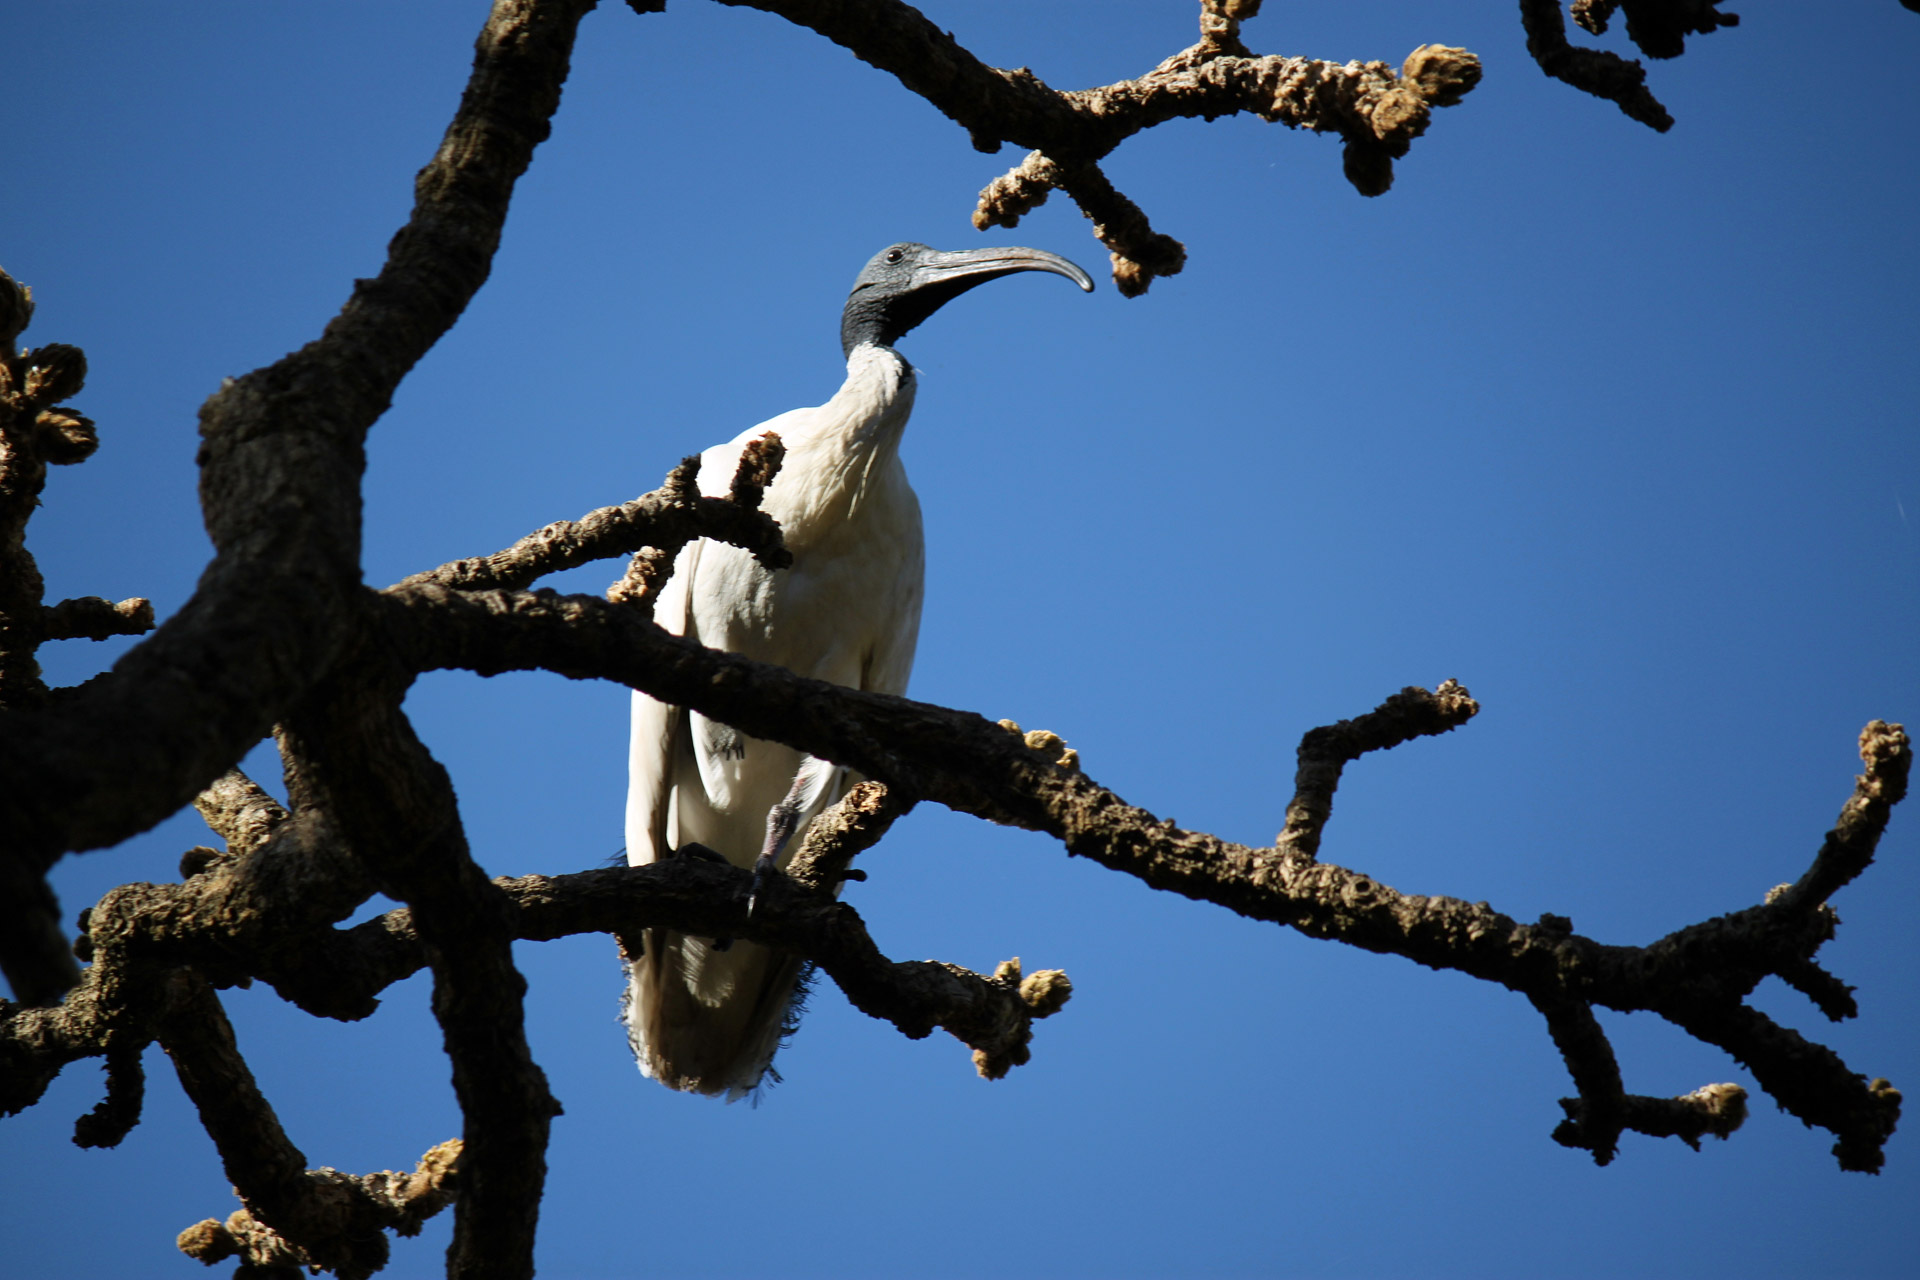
x=284, y=636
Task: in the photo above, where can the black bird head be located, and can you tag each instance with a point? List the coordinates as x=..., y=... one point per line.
x=906, y=283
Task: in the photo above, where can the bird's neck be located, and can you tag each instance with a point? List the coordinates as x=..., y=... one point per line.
x=849, y=444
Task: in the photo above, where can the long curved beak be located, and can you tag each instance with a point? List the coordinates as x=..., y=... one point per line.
x=976, y=266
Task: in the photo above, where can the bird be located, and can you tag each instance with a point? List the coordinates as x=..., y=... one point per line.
x=706, y=1016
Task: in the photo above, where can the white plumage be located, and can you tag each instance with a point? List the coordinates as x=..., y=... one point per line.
x=849, y=612
x=846, y=611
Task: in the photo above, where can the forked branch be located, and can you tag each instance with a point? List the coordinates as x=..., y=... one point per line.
x=1376, y=112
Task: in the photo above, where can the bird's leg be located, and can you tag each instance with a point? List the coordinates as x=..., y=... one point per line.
x=782, y=820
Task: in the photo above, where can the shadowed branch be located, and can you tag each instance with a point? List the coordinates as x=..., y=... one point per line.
x=1376, y=112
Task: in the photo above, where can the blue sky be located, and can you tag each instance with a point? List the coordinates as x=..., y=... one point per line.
x=1616, y=428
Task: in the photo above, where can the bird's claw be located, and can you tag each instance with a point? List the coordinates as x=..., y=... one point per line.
x=763, y=872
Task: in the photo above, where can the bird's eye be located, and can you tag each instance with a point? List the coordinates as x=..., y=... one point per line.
x=894, y=255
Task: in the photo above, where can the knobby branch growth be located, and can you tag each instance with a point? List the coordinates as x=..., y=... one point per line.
x=36, y=431
x=1376, y=112
x=1658, y=28
x=283, y=636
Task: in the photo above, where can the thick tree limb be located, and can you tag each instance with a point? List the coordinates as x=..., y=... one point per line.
x=1697, y=979
x=356, y=760
x=34, y=956
x=281, y=457
x=260, y=909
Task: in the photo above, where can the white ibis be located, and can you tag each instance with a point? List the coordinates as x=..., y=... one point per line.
x=703, y=1018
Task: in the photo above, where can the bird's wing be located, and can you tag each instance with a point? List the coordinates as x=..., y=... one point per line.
x=662, y=740
x=888, y=661
x=656, y=732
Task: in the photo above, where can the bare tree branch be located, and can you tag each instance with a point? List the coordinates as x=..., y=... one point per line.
x=116, y=1115
x=315, y=1217
x=737, y=519
x=1324, y=753
x=91, y=618
x=1604, y=75
x=847, y=829
x=158, y=931
x=1696, y=979
x=1659, y=27
x=1715, y=1109
x=240, y=812
x=389, y=1200
x=357, y=760
x=1377, y=113
x=665, y=520
x=281, y=457
x=34, y=433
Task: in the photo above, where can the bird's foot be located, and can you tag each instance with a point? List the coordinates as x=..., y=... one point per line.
x=764, y=869
x=782, y=821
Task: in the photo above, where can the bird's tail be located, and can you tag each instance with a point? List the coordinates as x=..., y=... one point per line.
x=707, y=1021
